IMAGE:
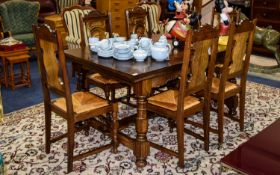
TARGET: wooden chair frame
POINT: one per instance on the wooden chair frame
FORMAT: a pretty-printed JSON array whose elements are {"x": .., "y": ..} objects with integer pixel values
[
  {"x": 228, "y": 74},
  {"x": 54, "y": 78},
  {"x": 137, "y": 15},
  {"x": 91, "y": 22},
  {"x": 190, "y": 84}
]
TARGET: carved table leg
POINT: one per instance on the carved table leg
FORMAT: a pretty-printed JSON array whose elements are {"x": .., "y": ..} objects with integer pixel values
[
  {"x": 142, "y": 146},
  {"x": 141, "y": 150}
]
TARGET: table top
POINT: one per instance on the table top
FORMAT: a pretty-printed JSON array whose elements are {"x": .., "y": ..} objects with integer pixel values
[
  {"x": 129, "y": 71},
  {"x": 259, "y": 155},
  {"x": 14, "y": 52}
]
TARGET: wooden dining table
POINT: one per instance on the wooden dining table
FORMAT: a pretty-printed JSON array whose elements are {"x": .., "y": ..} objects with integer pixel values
[{"x": 142, "y": 76}]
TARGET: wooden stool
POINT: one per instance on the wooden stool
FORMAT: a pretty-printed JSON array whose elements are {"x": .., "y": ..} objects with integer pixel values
[{"x": 22, "y": 79}]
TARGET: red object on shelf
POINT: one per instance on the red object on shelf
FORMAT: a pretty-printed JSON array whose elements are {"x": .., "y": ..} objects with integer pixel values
[{"x": 12, "y": 47}]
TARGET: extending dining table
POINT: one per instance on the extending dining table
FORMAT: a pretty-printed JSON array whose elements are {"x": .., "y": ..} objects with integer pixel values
[{"x": 142, "y": 76}]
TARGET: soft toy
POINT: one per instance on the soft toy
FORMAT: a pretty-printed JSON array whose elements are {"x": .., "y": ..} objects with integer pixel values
[
  {"x": 171, "y": 4},
  {"x": 221, "y": 7},
  {"x": 178, "y": 28}
]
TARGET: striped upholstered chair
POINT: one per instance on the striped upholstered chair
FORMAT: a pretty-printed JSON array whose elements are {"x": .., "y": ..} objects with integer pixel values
[
  {"x": 72, "y": 25},
  {"x": 62, "y": 4},
  {"x": 154, "y": 12}
]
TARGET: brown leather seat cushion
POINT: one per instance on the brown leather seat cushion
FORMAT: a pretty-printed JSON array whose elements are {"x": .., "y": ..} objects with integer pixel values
[
  {"x": 101, "y": 79},
  {"x": 82, "y": 102},
  {"x": 228, "y": 87},
  {"x": 168, "y": 100}
]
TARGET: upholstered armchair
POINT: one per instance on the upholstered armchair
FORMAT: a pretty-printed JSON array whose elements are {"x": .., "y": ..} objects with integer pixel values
[
  {"x": 154, "y": 11},
  {"x": 17, "y": 17}
]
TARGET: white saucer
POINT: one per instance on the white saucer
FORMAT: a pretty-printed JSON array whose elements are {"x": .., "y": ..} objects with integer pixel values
[
  {"x": 123, "y": 57},
  {"x": 105, "y": 53}
]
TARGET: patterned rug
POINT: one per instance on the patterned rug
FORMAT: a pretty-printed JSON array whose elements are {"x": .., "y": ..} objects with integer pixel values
[{"x": 22, "y": 142}]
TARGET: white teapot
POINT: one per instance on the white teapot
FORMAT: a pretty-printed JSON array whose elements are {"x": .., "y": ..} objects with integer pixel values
[{"x": 160, "y": 51}]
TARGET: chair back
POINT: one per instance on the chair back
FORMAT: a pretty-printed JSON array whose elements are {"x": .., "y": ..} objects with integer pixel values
[
  {"x": 97, "y": 24},
  {"x": 198, "y": 62},
  {"x": 136, "y": 22},
  {"x": 71, "y": 22},
  {"x": 62, "y": 4},
  {"x": 239, "y": 49},
  {"x": 154, "y": 13},
  {"x": 52, "y": 64}
]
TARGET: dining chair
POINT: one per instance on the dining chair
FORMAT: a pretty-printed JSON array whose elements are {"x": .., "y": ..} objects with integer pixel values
[
  {"x": 196, "y": 76},
  {"x": 136, "y": 22},
  {"x": 157, "y": 26},
  {"x": 236, "y": 64},
  {"x": 71, "y": 23},
  {"x": 98, "y": 24},
  {"x": 74, "y": 108},
  {"x": 95, "y": 24}
]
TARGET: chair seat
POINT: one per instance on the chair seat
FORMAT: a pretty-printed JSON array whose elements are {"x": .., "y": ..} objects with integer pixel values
[
  {"x": 228, "y": 87},
  {"x": 82, "y": 102},
  {"x": 101, "y": 79},
  {"x": 168, "y": 100}
]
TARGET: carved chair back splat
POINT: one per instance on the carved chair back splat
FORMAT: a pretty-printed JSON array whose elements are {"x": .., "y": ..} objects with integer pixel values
[{"x": 136, "y": 22}]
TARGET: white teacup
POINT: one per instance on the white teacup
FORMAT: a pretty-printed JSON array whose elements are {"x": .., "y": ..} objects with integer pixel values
[
  {"x": 105, "y": 44},
  {"x": 134, "y": 36},
  {"x": 93, "y": 40},
  {"x": 119, "y": 39},
  {"x": 145, "y": 42}
]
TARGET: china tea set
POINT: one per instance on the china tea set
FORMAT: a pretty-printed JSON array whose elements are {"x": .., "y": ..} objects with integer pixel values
[{"x": 139, "y": 49}]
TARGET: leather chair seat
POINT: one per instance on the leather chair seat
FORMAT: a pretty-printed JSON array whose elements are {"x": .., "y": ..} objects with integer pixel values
[
  {"x": 168, "y": 100},
  {"x": 82, "y": 102}
]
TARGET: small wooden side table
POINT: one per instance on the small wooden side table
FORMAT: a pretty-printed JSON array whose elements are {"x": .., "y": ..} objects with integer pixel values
[
  {"x": 56, "y": 23},
  {"x": 4, "y": 55},
  {"x": 23, "y": 78}
]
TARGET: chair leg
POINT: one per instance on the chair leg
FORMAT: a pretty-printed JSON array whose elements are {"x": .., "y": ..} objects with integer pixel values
[
  {"x": 107, "y": 92},
  {"x": 206, "y": 116},
  {"x": 128, "y": 94},
  {"x": 48, "y": 128},
  {"x": 113, "y": 91},
  {"x": 86, "y": 85},
  {"x": 70, "y": 146},
  {"x": 220, "y": 116},
  {"x": 241, "y": 109},
  {"x": 180, "y": 138},
  {"x": 115, "y": 128},
  {"x": 171, "y": 125}
]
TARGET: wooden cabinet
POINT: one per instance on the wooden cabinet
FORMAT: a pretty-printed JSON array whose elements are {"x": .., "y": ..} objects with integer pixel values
[
  {"x": 267, "y": 12},
  {"x": 117, "y": 8},
  {"x": 56, "y": 22}
]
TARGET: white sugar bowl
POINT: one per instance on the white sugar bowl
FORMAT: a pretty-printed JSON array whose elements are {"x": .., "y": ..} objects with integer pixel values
[{"x": 140, "y": 55}]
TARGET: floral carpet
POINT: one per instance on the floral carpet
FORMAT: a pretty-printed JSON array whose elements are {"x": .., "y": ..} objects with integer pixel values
[{"x": 22, "y": 142}]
